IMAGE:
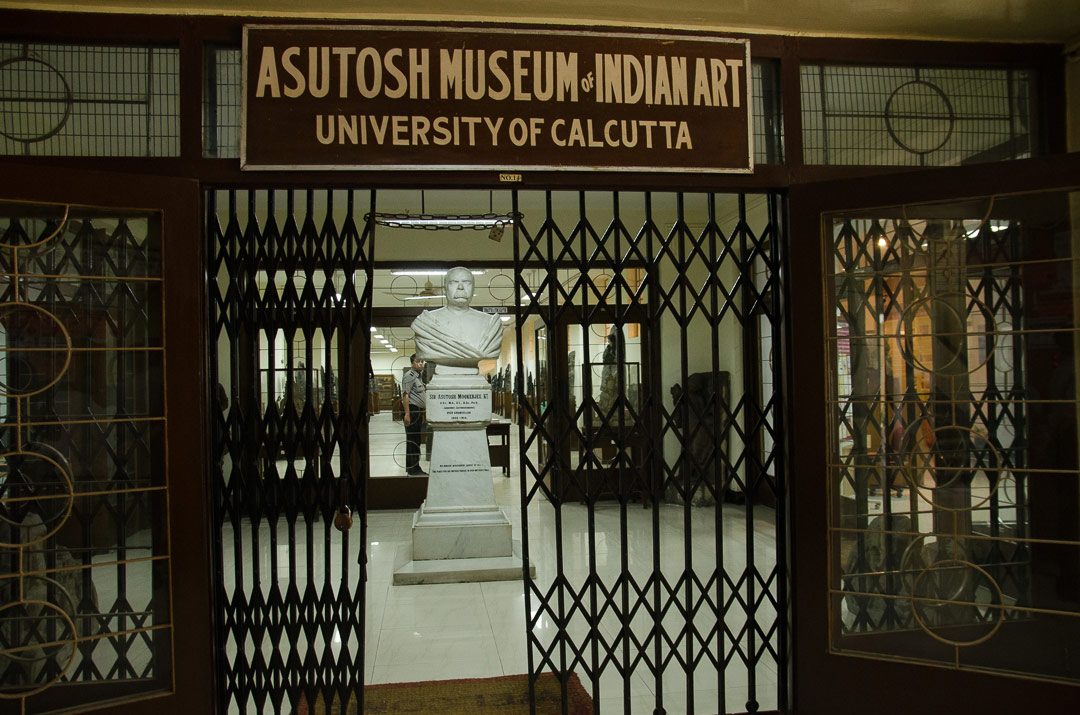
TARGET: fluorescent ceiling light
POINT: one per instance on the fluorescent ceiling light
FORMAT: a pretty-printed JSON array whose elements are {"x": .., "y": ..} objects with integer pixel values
[
  {"x": 377, "y": 335},
  {"x": 424, "y": 297},
  {"x": 429, "y": 273},
  {"x": 443, "y": 221},
  {"x": 454, "y": 222}
]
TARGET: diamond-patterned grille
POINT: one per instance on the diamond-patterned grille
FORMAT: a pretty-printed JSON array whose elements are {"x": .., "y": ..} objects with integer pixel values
[
  {"x": 290, "y": 307},
  {"x": 676, "y": 297},
  {"x": 952, "y": 398}
]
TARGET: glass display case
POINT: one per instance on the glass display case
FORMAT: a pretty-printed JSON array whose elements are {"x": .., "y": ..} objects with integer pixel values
[
  {"x": 599, "y": 357},
  {"x": 603, "y": 383}
]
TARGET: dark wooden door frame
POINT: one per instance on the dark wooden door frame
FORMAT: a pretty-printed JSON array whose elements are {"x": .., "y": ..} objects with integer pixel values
[
  {"x": 822, "y": 682},
  {"x": 186, "y": 359}
]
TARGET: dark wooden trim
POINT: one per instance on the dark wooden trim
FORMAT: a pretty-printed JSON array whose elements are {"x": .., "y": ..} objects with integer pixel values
[
  {"x": 818, "y": 676},
  {"x": 192, "y": 68},
  {"x": 227, "y": 172},
  {"x": 1052, "y": 112},
  {"x": 812, "y": 189},
  {"x": 193, "y": 34},
  {"x": 59, "y": 26},
  {"x": 948, "y": 183},
  {"x": 804, "y": 393},
  {"x": 841, "y": 50},
  {"x": 188, "y": 402},
  {"x": 790, "y": 96},
  {"x": 94, "y": 28},
  {"x": 396, "y": 492},
  {"x": 190, "y": 495}
]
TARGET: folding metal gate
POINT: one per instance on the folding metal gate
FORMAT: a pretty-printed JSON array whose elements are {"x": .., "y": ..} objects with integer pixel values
[
  {"x": 652, "y": 325},
  {"x": 290, "y": 303},
  {"x": 678, "y": 606}
]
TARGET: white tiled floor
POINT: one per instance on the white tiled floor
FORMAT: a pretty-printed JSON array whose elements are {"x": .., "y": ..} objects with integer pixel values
[
  {"x": 472, "y": 630},
  {"x": 433, "y": 632}
]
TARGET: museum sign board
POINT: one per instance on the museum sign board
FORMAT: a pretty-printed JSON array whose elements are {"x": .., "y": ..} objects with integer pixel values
[{"x": 366, "y": 97}]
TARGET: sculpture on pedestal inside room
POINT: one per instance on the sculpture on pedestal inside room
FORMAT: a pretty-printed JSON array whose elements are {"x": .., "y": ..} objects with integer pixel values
[
  {"x": 457, "y": 335},
  {"x": 459, "y": 533}
]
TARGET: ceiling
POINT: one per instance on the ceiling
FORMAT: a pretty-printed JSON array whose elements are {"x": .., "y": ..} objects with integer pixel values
[{"x": 997, "y": 20}]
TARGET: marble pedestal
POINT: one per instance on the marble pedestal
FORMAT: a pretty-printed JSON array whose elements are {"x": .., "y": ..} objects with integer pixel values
[{"x": 459, "y": 534}]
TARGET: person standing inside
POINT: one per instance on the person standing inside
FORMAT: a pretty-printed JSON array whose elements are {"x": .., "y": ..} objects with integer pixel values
[{"x": 414, "y": 404}]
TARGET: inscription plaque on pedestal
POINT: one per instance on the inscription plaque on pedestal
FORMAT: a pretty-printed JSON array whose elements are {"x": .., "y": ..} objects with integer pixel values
[{"x": 458, "y": 406}]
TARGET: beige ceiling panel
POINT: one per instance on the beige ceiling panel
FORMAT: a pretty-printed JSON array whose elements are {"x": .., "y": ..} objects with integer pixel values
[{"x": 998, "y": 20}]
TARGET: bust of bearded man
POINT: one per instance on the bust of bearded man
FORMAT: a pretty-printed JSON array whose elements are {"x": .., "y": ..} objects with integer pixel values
[{"x": 457, "y": 335}]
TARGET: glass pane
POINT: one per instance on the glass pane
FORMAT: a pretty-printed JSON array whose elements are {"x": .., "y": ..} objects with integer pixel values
[
  {"x": 84, "y": 554},
  {"x": 768, "y": 113},
  {"x": 604, "y": 377},
  {"x": 221, "y": 104},
  {"x": 88, "y": 100},
  {"x": 915, "y": 116},
  {"x": 391, "y": 348},
  {"x": 953, "y": 431}
]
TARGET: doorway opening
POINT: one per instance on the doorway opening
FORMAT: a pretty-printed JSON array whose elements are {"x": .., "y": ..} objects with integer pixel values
[{"x": 643, "y": 473}]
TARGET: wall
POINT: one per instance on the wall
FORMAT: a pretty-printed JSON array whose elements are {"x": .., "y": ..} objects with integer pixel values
[{"x": 389, "y": 363}]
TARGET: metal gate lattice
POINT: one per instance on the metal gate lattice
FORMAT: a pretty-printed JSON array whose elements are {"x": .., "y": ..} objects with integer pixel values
[
  {"x": 85, "y": 592},
  {"x": 290, "y": 307},
  {"x": 675, "y": 302},
  {"x": 899, "y": 394}
]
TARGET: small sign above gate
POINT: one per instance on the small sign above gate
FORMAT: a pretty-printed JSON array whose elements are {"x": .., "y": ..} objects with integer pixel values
[{"x": 365, "y": 97}]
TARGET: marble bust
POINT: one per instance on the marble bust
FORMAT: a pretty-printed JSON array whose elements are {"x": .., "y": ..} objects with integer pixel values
[{"x": 457, "y": 335}]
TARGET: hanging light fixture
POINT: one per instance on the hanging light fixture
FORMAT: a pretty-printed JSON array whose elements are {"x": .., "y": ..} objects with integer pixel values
[
  {"x": 428, "y": 272},
  {"x": 436, "y": 222},
  {"x": 492, "y": 222}
]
